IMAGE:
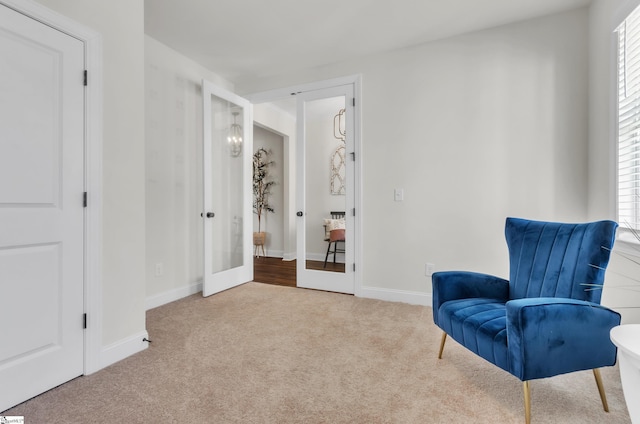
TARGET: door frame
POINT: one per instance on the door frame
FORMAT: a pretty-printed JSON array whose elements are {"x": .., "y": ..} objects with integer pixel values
[
  {"x": 356, "y": 80},
  {"x": 93, "y": 360}
]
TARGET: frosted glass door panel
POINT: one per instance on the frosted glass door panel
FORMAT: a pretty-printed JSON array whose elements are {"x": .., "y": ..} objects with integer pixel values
[
  {"x": 226, "y": 189},
  {"x": 227, "y": 147}
]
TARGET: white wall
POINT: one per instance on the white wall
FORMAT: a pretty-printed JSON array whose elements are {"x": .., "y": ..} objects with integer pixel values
[
  {"x": 121, "y": 23},
  {"x": 604, "y": 17},
  {"x": 272, "y": 222},
  {"x": 474, "y": 129},
  {"x": 173, "y": 120}
]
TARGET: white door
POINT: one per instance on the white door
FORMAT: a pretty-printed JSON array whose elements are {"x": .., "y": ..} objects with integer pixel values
[
  {"x": 227, "y": 215},
  {"x": 41, "y": 207},
  {"x": 325, "y": 184}
]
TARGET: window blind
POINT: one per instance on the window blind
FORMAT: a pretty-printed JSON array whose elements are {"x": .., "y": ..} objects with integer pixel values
[{"x": 629, "y": 121}]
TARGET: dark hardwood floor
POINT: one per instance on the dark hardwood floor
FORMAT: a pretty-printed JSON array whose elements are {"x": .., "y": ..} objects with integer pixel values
[
  {"x": 283, "y": 273},
  {"x": 274, "y": 271}
]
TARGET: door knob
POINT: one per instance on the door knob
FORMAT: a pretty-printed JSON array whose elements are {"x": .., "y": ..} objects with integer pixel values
[
  {"x": 210, "y": 214},
  {"x": 299, "y": 213}
]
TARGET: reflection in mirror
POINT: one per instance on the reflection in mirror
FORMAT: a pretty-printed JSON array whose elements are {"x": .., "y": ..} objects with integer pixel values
[
  {"x": 226, "y": 187},
  {"x": 325, "y": 197}
]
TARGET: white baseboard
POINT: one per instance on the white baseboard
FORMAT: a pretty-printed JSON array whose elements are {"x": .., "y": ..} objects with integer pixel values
[
  {"x": 291, "y": 256},
  {"x": 133, "y": 344},
  {"x": 122, "y": 349},
  {"x": 390, "y": 295},
  {"x": 310, "y": 256},
  {"x": 172, "y": 295},
  {"x": 272, "y": 253},
  {"x": 320, "y": 257}
]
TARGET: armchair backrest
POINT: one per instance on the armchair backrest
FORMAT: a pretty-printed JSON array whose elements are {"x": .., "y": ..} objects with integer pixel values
[{"x": 551, "y": 259}]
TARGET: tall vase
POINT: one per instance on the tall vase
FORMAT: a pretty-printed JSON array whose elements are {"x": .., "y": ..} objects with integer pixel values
[{"x": 259, "y": 239}]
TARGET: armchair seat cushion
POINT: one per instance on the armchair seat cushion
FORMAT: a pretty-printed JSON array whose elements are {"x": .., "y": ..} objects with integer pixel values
[{"x": 480, "y": 324}]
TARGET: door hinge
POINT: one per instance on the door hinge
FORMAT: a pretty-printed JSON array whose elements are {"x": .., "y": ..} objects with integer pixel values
[
  {"x": 353, "y": 156},
  {"x": 85, "y": 77},
  {"x": 84, "y": 321},
  {"x": 84, "y": 199},
  {"x": 354, "y": 102},
  {"x": 354, "y": 267},
  {"x": 353, "y": 211}
]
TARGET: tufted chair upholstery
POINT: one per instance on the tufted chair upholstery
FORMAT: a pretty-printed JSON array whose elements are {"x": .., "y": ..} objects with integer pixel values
[{"x": 545, "y": 320}]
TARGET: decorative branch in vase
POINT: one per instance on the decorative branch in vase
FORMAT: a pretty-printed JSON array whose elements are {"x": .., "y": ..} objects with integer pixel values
[{"x": 262, "y": 184}]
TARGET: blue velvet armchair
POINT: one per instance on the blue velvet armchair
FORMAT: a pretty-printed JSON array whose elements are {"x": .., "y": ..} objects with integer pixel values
[{"x": 546, "y": 319}]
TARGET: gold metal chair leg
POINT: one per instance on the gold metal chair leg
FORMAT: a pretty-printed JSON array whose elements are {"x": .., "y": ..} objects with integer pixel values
[
  {"x": 444, "y": 339},
  {"x": 527, "y": 402},
  {"x": 596, "y": 373}
]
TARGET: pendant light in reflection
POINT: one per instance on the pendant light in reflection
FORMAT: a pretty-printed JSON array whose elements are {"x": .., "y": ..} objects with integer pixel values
[{"x": 235, "y": 137}]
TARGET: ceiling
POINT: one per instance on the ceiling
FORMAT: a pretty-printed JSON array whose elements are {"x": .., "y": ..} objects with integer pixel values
[{"x": 244, "y": 39}]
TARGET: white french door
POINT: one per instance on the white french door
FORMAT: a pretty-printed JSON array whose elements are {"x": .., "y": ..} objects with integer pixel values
[
  {"x": 227, "y": 215},
  {"x": 41, "y": 207},
  {"x": 325, "y": 183}
]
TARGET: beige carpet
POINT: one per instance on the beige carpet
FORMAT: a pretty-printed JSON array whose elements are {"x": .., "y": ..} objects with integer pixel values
[{"x": 267, "y": 354}]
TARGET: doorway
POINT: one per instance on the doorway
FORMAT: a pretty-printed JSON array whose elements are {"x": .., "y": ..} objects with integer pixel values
[
  {"x": 269, "y": 145},
  {"x": 290, "y": 99}
]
